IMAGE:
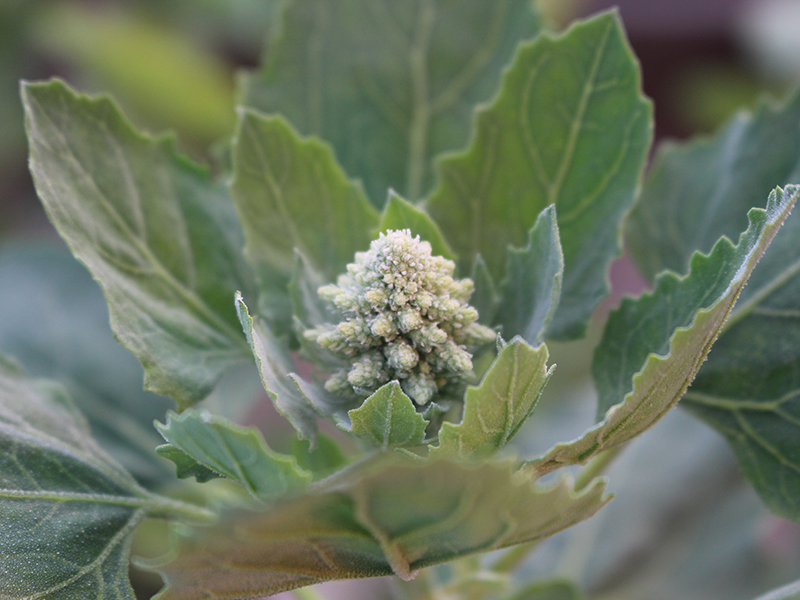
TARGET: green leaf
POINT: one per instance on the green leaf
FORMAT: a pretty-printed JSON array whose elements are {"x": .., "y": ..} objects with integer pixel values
[
  {"x": 653, "y": 346},
  {"x": 238, "y": 453},
  {"x": 388, "y": 418},
  {"x": 570, "y": 127},
  {"x": 275, "y": 365},
  {"x": 292, "y": 195},
  {"x": 323, "y": 460},
  {"x": 67, "y": 510},
  {"x": 389, "y": 84},
  {"x": 486, "y": 298},
  {"x": 311, "y": 311},
  {"x": 157, "y": 234},
  {"x": 185, "y": 465},
  {"x": 748, "y": 389},
  {"x": 496, "y": 409},
  {"x": 532, "y": 288},
  {"x": 697, "y": 192},
  {"x": 399, "y": 213},
  {"x": 391, "y": 515}
]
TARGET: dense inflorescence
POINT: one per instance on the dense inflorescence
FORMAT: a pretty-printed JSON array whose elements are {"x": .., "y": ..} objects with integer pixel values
[{"x": 405, "y": 318}]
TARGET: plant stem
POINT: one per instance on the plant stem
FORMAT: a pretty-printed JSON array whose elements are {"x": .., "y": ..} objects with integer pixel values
[
  {"x": 169, "y": 508},
  {"x": 515, "y": 555}
]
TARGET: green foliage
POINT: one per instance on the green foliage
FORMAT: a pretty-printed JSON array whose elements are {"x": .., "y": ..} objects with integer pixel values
[
  {"x": 569, "y": 127},
  {"x": 531, "y": 208},
  {"x": 389, "y": 84},
  {"x": 496, "y": 409},
  {"x": 388, "y": 419},
  {"x": 652, "y": 347},
  {"x": 399, "y": 213},
  {"x": 392, "y": 515},
  {"x": 532, "y": 289},
  {"x": 57, "y": 485},
  {"x": 154, "y": 230},
  {"x": 238, "y": 453},
  {"x": 749, "y": 387},
  {"x": 292, "y": 195}
]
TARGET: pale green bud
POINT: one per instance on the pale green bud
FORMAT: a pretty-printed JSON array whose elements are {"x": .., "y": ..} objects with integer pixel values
[{"x": 406, "y": 318}]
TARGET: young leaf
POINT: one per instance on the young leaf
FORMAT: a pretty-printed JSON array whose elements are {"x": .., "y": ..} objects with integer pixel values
[
  {"x": 570, "y": 127},
  {"x": 238, "y": 453},
  {"x": 389, "y": 84},
  {"x": 486, "y": 298},
  {"x": 697, "y": 192},
  {"x": 291, "y": 194},
  {"x": 185, "y": 465},
  {"x": 399, "y": 213},
  {"x": 157, "y": 234},
  {"x": 388, "y": 418},
  {"x": 311, "y": 311},
  {"x": 496, "y": 409},
  {"x": 275, "y": 366},
  {"x": 67, "y": 510},
  {"x": 652, "y": 347},
  {"x": 532, "y": 287},
  {"x": 392, "y": 515},
  {"x": 749, "y": 389}
]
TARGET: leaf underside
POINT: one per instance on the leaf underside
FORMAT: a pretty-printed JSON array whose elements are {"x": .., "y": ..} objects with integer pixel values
[
  {"x": 389, "y": 84},
  {"x": 159, "y": 236},
  {"x": 749, "y": 389},
  {"x": 570, "y": 127},
  {"x": 392, "y": 516},
  {"x": 653, "y": 346}
]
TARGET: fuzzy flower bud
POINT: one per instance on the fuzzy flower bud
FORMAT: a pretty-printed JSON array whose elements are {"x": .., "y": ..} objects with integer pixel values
[{"x": 405, "y": 318}]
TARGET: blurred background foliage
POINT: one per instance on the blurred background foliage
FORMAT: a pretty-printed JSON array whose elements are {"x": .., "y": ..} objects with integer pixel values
[{"x": 690, "y": 528}]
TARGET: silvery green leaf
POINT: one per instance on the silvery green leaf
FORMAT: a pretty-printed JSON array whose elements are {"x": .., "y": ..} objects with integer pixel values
[
  {"x": 496, "y": 409},
  {"x": 696, "y": 192},
  {"x": 388, "y": 418},
  {"x": 748, "y": 389},
  {"x": 389, "y": 84},
  {"x": 570, "y": 127},
  {"x": 390, "y": 515},
  {"x": 652, "y": 347},
  {"x": 275, "y": 365},
  {"x": 292, "y": 195},
  {"x": 238, "y": 453},
  {"x": 486, "y": 297},
  {"x": 56, "y": 324},
  {"x": 156, "y": 232},
  {"x": 67, "y": 510},
  {"x": 532, "y": 288},
  {"x": 399, "y": 213}
]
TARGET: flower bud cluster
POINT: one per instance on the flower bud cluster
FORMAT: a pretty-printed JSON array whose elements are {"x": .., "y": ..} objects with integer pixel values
[{"x": 406, "y": 318}]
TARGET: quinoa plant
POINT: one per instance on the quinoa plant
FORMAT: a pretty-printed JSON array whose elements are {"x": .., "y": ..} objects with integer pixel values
[{"x": 421, "y": 196}]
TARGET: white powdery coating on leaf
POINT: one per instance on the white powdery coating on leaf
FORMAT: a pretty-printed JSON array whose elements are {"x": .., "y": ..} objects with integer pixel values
[{"x": 406, "y": 318}]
